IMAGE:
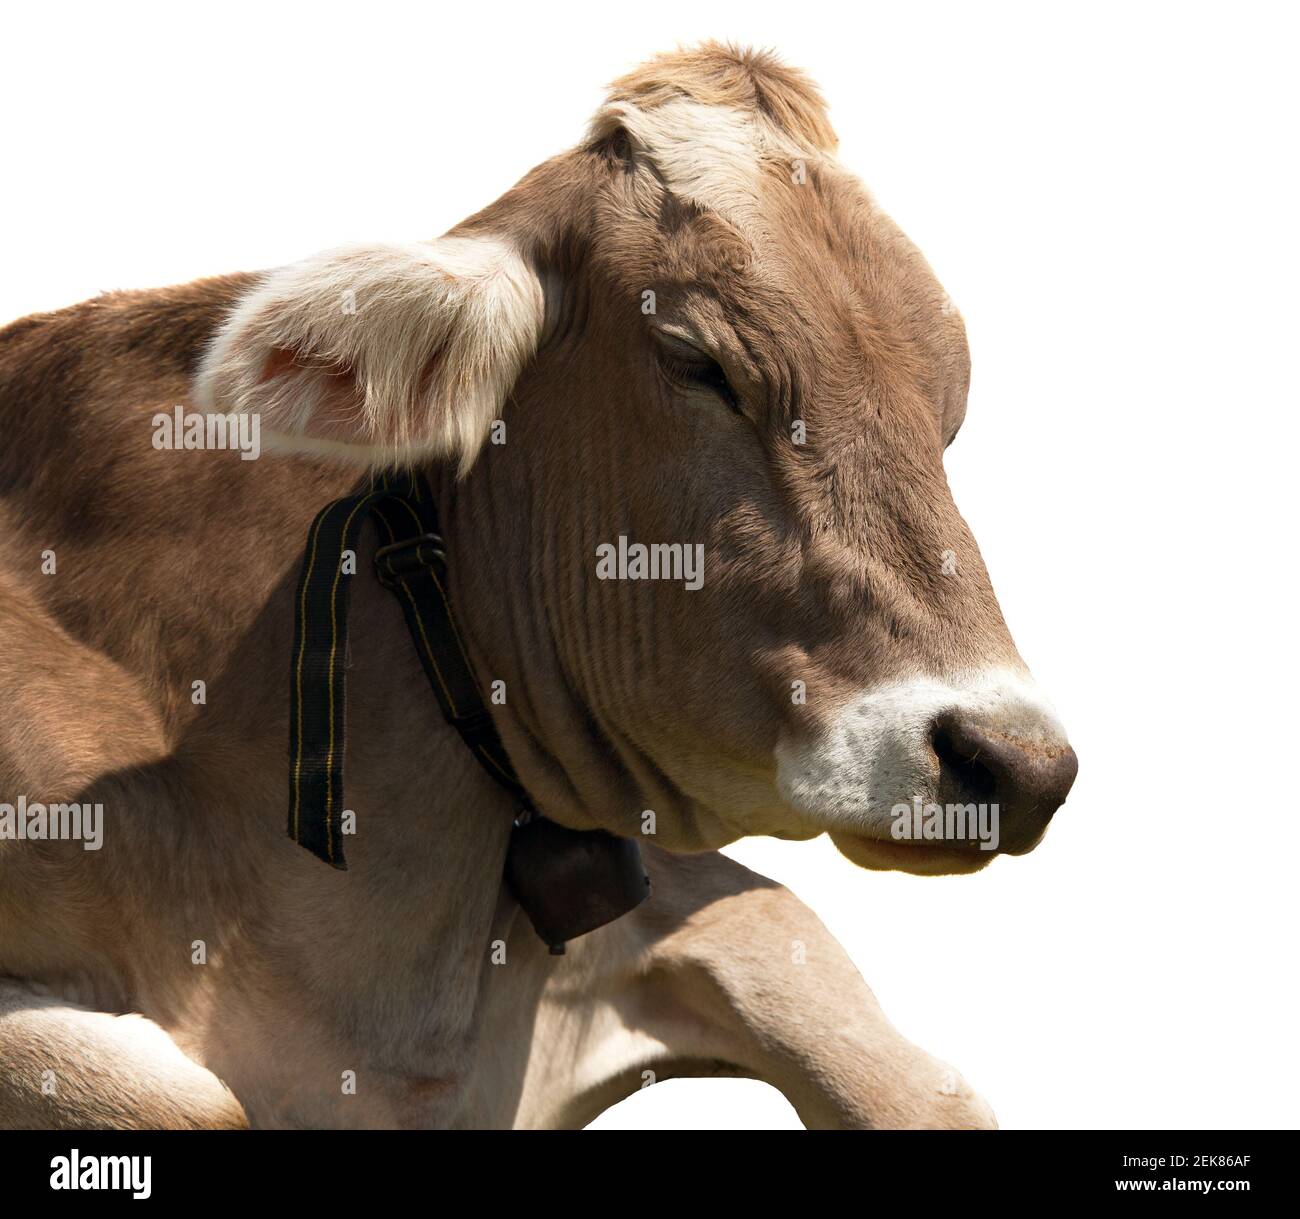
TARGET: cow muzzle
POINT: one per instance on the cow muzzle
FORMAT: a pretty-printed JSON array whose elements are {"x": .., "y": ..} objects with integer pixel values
[{"x": 933, "y": 776}]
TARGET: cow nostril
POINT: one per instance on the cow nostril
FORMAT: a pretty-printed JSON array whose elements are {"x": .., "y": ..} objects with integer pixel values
[
  {"x": 1028, "y": 782},
  {"x": 962, "y": 778}
]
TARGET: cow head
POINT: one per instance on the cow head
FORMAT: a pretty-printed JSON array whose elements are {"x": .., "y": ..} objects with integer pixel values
[{"x": 694, "y": 332}]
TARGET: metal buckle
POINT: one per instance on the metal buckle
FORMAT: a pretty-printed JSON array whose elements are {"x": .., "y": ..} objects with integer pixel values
[{"x": 403, "y": 558}]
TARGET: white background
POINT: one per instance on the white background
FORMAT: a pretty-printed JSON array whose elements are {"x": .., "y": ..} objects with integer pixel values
[{"x": 1107, "y": 192}]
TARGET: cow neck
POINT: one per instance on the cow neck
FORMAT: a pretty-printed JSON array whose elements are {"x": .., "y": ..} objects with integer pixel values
[{"x": 569, "y": 882}]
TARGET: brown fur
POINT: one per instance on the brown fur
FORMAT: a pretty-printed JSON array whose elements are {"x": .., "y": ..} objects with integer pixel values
[
  {"x": 179, "y": 566},
  {"x": 721, "y": 74}
]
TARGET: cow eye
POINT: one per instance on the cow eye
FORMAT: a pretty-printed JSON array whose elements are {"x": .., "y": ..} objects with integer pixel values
[{"x": 688, "y": 366}]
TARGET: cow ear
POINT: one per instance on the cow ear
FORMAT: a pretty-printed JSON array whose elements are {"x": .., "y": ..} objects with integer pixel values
[{"x": 380, "y": 354}]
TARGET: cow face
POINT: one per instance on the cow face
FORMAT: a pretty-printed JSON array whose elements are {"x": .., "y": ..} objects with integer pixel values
[{"x": 711, "y": 551}]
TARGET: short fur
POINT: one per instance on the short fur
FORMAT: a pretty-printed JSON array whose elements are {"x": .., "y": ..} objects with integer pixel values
[{"x": 414, "y": 971}]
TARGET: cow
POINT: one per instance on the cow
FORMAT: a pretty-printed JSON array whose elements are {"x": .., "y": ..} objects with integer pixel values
[{"x": 694, "y": 329}]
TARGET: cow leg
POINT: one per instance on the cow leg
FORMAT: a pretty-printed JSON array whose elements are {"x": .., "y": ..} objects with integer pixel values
[
  {"x": 727, "y": 973},
  {"x": 67, "y": 1067}
]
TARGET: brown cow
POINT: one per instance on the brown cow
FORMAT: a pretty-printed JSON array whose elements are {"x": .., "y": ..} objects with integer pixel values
[{"x": 694, "y": 333}]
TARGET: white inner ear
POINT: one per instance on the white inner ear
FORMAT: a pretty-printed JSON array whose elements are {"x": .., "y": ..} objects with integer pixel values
[{"x": 428, "y": 338}]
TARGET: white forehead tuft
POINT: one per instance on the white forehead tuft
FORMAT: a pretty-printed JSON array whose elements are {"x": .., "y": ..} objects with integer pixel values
[{"x": 709, "y": 155}]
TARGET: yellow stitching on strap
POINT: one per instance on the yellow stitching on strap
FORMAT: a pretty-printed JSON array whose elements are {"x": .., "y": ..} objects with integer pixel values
[
  {"x": 302, "y": 648},
  {"x": 455, "y": 631},
  {"x": 334, "y": 643},
  {"x": 509, "y": 778},
  {"x": 428, "y": 648}
]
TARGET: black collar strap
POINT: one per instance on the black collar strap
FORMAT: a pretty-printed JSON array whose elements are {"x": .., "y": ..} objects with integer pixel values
[{"x": 569, "y": 882}]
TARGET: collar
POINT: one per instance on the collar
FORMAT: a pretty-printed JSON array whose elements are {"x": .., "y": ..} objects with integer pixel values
[{"x": 568, "y": 882}]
